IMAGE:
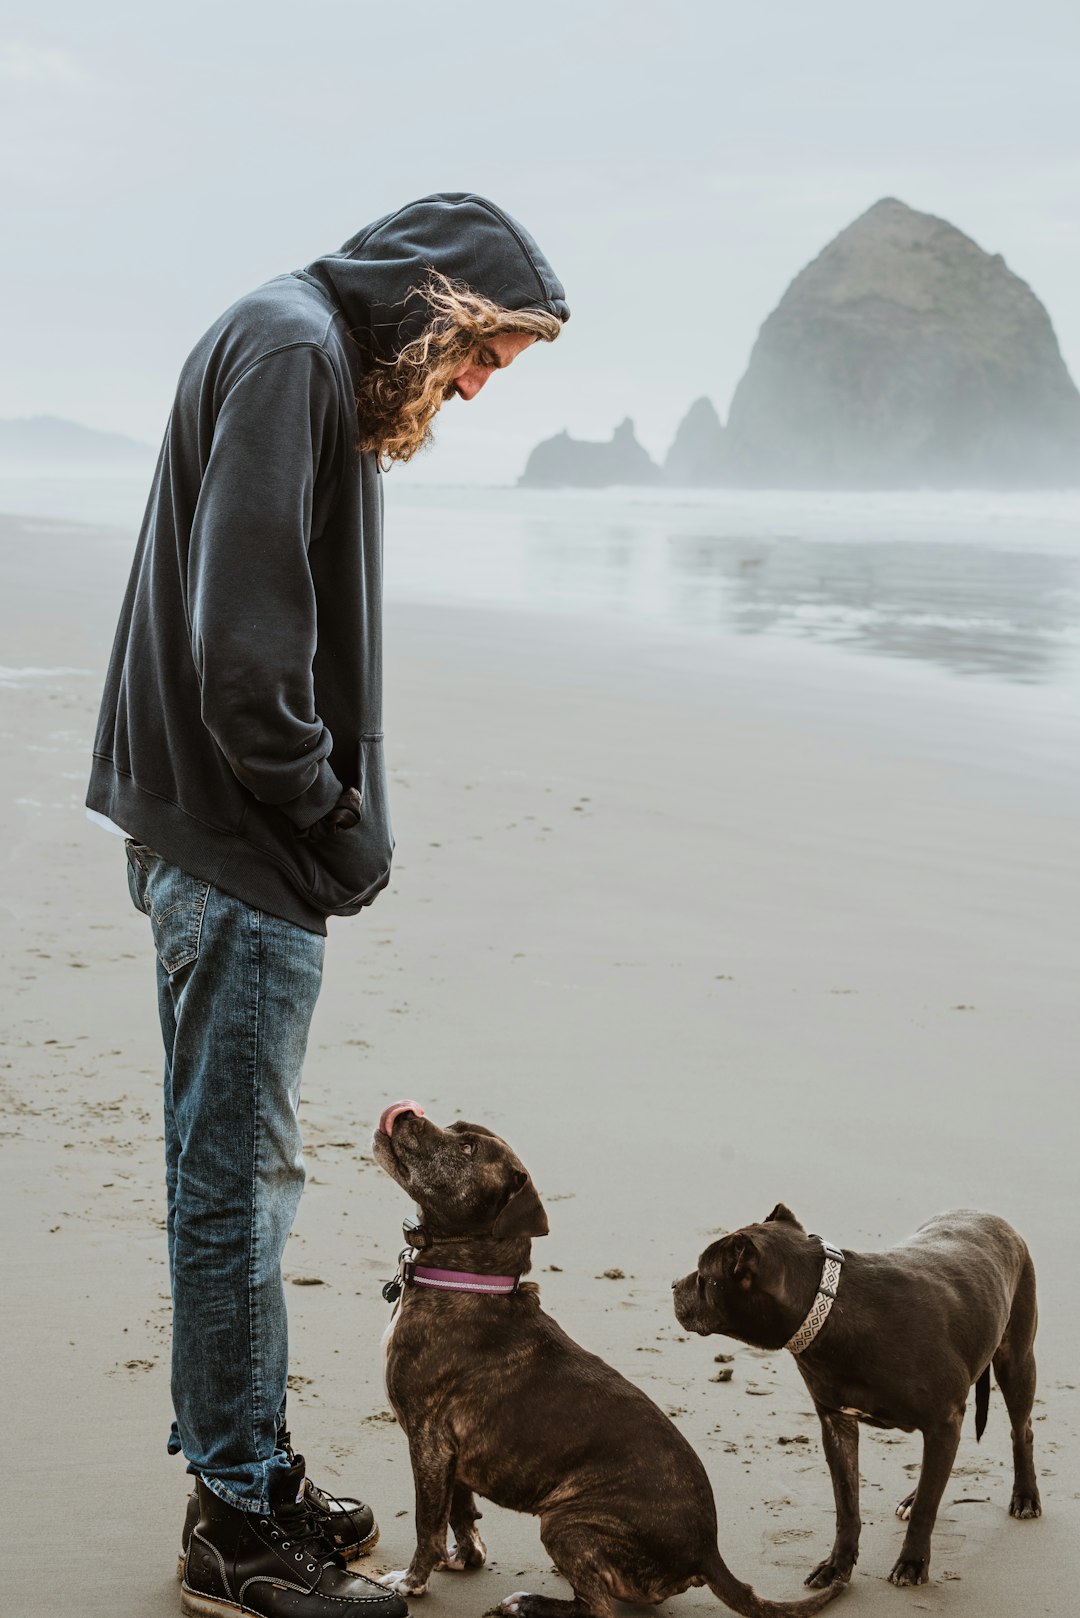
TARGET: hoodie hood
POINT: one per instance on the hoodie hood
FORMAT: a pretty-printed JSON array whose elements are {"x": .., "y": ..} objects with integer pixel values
[{"x": 457, "y": 233}]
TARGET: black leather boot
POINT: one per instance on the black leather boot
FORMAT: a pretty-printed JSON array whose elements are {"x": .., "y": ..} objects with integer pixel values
[
  {"x": 279, "y": 1566},
  {"x": 348, "y": 1524}
]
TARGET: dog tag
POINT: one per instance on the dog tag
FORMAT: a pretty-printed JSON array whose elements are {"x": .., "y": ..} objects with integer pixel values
[
  {"x": 392, "y": 1290},
  {"x": 415, "y": 1234}
]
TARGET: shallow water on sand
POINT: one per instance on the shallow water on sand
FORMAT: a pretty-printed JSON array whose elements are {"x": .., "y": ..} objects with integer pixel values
[
  {"x": 976, "y": 584},
  {"x": 976, "y": 595},
  {"x": 956, "y": 616}
]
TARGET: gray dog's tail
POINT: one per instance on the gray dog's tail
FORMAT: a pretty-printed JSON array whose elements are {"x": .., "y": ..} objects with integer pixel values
[
  {"x": 742, "y": 1598},
  {"x": 982, "y": 1403}
]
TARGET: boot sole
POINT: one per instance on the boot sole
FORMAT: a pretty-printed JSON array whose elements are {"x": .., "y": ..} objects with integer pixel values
[
  {"x": 194, "y": 1605},
  {"x": 365, "y": 1547}
]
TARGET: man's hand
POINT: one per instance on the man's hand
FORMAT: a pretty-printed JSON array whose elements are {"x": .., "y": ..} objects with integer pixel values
[{"x": 345, "y": 813}]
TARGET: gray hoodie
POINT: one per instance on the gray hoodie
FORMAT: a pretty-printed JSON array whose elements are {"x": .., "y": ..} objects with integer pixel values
[{"x": 244, "y": 691}]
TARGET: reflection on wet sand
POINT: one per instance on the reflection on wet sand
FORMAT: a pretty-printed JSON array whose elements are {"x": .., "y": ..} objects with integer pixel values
[
  {"x": 974, "y": 585},
  {"x": 1008, "y": 614},
  {"x": 1011, "y": 613}
]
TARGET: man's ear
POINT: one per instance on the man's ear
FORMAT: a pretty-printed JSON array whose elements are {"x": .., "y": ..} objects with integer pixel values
[
  {"x": 522, "y": 1214},
  {"x": 782, "y": 1215},
  {"x": 742, "y": 1259}
]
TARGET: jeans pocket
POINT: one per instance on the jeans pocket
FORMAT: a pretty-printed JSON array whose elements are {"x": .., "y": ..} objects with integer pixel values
[
  {"x": 174, "y": 901},
  {"x": 137, "y": 871}
]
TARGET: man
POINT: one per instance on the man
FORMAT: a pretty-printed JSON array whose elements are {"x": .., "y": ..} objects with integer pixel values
[{"x": 239, "y": 749}]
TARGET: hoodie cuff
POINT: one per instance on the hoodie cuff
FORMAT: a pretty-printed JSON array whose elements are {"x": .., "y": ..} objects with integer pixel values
[{"x": 316, "y": 800}]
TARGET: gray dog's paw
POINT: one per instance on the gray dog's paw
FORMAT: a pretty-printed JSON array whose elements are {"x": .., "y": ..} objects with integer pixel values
[
  {"x": 903, "y": 1510},
  {"x": 910, "y": 1570},
  {"x": 400, "y": 1581},
  {"x": 1025, "y": 1504},
  {"x": 828, "y": 1572}
]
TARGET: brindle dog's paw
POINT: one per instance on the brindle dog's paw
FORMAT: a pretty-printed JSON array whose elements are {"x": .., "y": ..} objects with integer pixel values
[
  {"x": 511, "y": 1606},
  {"x": 910, "y": 1570},
  {"x": 828, "y": 1572},
  {"x": 903, "y": 1510},
  {"x": 1025, "y": 1504},
  {"x": 473, "y": 1553},
  {"x": 403, "y": 1583}
]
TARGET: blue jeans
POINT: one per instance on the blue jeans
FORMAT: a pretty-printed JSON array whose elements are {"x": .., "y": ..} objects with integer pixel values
[{"x": 236, "y": 992}]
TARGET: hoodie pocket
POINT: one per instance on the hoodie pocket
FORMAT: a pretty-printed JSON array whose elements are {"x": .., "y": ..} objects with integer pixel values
[{"x": 352, "y": 866}]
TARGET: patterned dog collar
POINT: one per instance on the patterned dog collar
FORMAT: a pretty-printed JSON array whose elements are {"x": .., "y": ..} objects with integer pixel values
[{"x": 823, "y": 1302}]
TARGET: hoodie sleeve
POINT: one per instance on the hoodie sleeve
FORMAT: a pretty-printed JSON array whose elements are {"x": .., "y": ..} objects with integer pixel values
[{"x": 251, "y": 598}]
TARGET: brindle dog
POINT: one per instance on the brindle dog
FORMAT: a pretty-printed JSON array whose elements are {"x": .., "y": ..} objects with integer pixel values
[
  {"x": 496, "y": 1400},
  {"x": 910, "y": 1331}
]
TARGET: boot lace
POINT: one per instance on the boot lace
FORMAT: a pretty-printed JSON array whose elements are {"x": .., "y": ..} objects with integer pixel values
[
  {"x": 325, "y": 1508},
  {"x": 300, "y": 1531}
]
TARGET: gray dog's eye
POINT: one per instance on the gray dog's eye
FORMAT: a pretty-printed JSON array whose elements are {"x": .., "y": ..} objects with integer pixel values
[{"x": 468, "y": 1147}]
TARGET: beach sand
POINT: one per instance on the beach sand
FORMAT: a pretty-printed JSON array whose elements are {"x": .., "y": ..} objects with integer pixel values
[{"x": 697, "y": 930}]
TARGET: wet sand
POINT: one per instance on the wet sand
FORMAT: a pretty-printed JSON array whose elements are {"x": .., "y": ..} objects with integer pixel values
[{"x": 697, "y": 934}]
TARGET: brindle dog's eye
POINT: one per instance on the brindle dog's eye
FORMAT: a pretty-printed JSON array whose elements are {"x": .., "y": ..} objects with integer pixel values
[
  {"x": 700, "y": 1284},
  {"x": 468, "y": 1147}
]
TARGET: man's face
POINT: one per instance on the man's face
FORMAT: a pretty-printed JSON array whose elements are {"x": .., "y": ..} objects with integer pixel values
[{"x": 493, "y": 354}]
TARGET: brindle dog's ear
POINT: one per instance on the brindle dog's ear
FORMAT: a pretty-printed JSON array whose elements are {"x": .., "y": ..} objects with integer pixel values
[
  {"x": 522, "y": 1214},
  {"x": 460, "y": 1127},
  {"x": 742, "y": 1259},
  {"x": 782, "y": 1215}
]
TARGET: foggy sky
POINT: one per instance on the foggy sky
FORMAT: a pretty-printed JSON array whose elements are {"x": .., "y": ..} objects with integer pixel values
[{"x": 678, "y": 163}]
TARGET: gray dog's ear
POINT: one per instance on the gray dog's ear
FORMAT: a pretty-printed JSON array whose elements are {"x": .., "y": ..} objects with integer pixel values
[
  {"x": 522, "y": 1214},
  {"x": 743, "y": 1258},
  {"x": 782, "y": 1215}
]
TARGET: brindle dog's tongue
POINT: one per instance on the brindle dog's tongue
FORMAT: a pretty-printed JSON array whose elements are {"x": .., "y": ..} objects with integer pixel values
[{"x": 396, "y": 1110}]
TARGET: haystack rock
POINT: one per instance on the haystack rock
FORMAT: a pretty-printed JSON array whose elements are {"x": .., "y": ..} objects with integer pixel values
[
  {"x": 695, "y": 458},
  {"x": 563, "y": 462},
  {"x": 905, "y": 356}
]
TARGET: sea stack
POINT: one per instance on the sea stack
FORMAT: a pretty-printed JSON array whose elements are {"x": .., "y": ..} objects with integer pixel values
[
  {"x": 905, "y": 356},
  {"x": 695, "y": 459},
  {"x": 563, "y": 462}
]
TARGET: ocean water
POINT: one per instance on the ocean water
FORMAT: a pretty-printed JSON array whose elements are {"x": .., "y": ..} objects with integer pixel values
[{"x": 980, "y": 592}]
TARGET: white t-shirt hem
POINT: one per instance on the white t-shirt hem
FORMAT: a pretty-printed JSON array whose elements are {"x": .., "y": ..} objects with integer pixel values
[{"x": 105, "y": 823}]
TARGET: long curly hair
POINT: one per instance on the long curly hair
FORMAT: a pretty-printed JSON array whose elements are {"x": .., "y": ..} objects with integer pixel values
[{"x": 397, "y": 400}]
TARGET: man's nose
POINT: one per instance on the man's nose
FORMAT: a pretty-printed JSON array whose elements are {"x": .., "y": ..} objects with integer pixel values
[{"x": 469, "y": 383}]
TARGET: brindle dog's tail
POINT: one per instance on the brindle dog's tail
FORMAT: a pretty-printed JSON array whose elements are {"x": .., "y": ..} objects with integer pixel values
[
  {"x": 742, "y": 1598},
  {"x": 982, "y": 1403}
]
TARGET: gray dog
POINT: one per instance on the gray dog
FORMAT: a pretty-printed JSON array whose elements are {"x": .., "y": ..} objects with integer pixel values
[
  {"x": 497, "y": 1401},
  {"x": 893, "y": 1339}
]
